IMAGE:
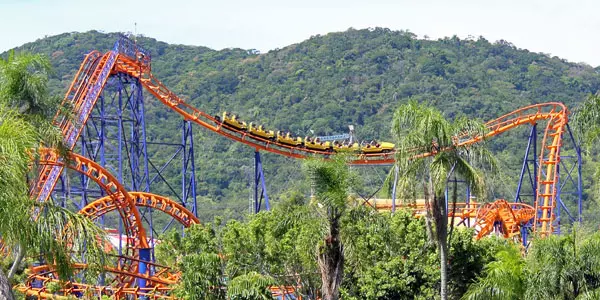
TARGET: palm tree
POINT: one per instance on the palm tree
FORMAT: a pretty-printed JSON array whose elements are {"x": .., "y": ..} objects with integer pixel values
[
  {"x": 563, "y": 267},
  {"x": 422, "y": 129},
  {"x": 331, "y": 180},
  {"x": 586, "y": 121},
  {"x": 504, "y": 277},
  {"x": 556, "y": 267},
  {"x": 24, "y": 84},
  {"x": 24, "y": 127}
]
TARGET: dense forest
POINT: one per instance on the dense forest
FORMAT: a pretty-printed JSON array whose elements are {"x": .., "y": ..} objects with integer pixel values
[{"x": 322, "y": 85}]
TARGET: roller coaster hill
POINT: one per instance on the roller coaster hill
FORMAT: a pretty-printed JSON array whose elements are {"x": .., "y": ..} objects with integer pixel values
[{"x": 110, "y": 178}]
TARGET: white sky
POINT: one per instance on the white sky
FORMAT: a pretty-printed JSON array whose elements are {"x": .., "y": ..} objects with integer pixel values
[{"x": 567, "y": 29}]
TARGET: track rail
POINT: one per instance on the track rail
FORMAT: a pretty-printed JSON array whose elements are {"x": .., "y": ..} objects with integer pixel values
[
  {"x": 484, "y": 217},
  {"x": 555, "y": 113},
  {"x": 104, "y": 205},
  {"x": 120, "y": 198}
]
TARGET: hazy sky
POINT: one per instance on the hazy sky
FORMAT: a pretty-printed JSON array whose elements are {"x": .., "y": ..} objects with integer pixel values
[{"x": 568, "y": 29}]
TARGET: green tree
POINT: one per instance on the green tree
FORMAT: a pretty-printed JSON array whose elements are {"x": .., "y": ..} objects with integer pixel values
[
  {"x": 563, "y": 267},
  {"x": 251, "y": 286},
  {"x": 504, "y": 278},
  {"x": 330, "y": 181},
  {"x": 555, "y": 267},
  {"x": 424, "y": 128},
  {"x": 24, "y": 104},
  {"x": 198, "y": 256}
]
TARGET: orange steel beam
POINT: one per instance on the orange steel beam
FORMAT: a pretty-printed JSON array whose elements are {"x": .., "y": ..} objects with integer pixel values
[
  {"x": 46, "y": 273},
  {"x": 97, "y": 209},
  {"x": 78, "y": 83},
  {"x": 511, "y": 216},
  {"x": 177, "y": 211}
]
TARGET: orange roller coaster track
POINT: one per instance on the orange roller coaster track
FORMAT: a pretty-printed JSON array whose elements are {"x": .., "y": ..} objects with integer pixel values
[
  {"x": 107, "y": 204},
  {"x": 94, "y": 72},
  {"x": 555, "y": 113},
  {"x": 83, "y": 94},
  {"x": 507, "y": 217}
]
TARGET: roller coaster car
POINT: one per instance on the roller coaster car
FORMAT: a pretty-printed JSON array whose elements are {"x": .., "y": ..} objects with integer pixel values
[
  {"x": 233, "y": 121},
  {"x": 261, "y": 132},
  {"x": 345, "y": 147},
  {"x": 316, "y": 144},
  {"x": 288, "y": 139},
  {"x": 376, "y": 147}
]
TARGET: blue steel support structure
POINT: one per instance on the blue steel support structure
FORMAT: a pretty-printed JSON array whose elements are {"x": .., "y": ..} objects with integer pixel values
[
  {"x": 569, "y": 194},
  {"x": 259, "y": 185},
  {"x": 528, "y": 175},
  {"x": 188, "y": 171},
  {"x": 115, "y": 136},
  {"x": 395, "y": 187},
  {"x": 569, "y": 186}
]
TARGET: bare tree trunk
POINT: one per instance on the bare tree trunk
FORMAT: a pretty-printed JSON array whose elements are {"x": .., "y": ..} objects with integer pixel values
[
  {"x": 5, "y": 288},
  {"x": 454, "y": 199},
  {"x": 331, "y": 262},
  {"x": 428, "y": 191},
  {"x": 440, "y": 214},
  {"x": 443, "y": 269},
  {"x": 17, "y": 262}
]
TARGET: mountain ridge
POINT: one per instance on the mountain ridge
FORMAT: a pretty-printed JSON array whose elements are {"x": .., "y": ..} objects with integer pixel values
[{"x": 325, "y": 83}]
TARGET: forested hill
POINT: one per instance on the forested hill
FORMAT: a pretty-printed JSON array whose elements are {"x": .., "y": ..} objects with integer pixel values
[{"x": 325, "y": 83}]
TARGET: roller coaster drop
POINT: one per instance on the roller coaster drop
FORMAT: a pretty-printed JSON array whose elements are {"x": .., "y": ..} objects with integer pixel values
[{"x": 106, "y": 101}]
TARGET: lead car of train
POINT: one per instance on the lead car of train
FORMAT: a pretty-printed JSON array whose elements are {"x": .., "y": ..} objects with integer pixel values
[{"x": 285, "y": 137}]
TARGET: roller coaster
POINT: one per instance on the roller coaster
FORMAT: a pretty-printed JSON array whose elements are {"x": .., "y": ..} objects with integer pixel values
[{"x": 539, "y": 199}]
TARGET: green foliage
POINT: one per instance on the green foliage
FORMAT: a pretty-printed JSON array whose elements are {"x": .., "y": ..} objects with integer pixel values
[
  {"x": 198, "y": 256},
  {"x": 55, "y": 232},
  {"x": 505, "y": 277},
  {"x": 354, "y": 77},
  {"x": 556, "y": 267},
  {"x": 331, "y": 181},
  {"x": 386, "y": 256},
  {"x": 24, "y": 84},
  {"x": 250, "y": 286},
  {"x": 391, "y": 258}
]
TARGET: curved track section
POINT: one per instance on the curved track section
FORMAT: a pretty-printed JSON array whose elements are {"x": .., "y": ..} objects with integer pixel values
[
  {"x": 121, "y": 200},
  {"x": 484, "y": 217},
  {"x": 508, "y": 216},
  {"x": 107, "y": 204},
  {"x": 158, "y": 282},
  {"x": 35, "y": 285},
  {"x": 107, "y": 182}
]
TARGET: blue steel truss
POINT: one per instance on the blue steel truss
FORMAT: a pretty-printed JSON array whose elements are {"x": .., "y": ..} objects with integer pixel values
[
  {"x": 569, "y": 190},
  {"x": 260, "y": 187},
  {"x": 115, "y": 136}
]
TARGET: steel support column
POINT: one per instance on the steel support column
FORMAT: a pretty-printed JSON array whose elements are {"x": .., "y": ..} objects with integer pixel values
[{"x": 259, "y": 182}]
